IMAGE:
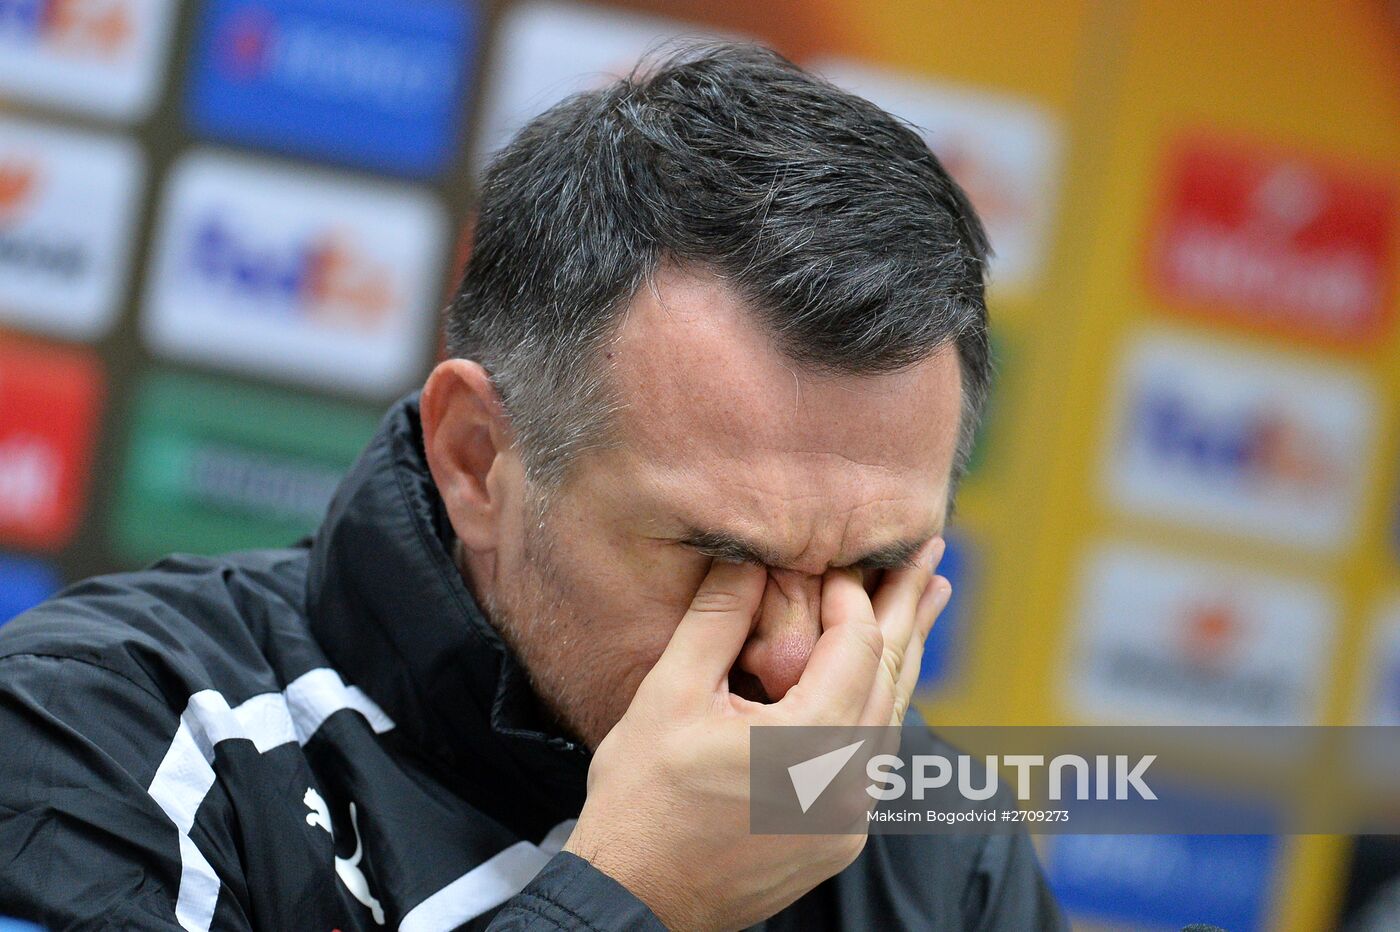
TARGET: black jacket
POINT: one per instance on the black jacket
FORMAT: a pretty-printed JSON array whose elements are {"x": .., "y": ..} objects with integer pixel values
[{"x": 333, "y": 737}]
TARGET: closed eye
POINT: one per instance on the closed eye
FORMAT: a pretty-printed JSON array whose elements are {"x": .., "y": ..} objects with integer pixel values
[
  {"x": 719, "y": 545},
  {"x": 728, "y": 553}
]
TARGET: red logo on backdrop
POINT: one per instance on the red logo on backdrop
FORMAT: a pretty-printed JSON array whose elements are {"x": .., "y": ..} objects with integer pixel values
[
  {"x": 17, "y": 182},
  {"x": 1210, "y": 632},
  {"x": 1276, "y": 242},
  {"x": 49, "y": 402}
]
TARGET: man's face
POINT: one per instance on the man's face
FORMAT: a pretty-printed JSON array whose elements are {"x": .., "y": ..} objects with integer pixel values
[{"x": 724, "y": 449}]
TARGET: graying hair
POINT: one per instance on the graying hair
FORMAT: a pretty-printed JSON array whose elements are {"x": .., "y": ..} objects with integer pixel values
[{"x": 828, "y": 216}]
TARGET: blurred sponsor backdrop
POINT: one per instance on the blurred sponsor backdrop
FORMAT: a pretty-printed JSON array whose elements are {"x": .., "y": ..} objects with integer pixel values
[{"x": 227, "y": 229}]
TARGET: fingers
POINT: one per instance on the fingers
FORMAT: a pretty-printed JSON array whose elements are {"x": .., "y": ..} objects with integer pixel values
[
  {"x": 896, "y": 608},
  {"x": 931, "y": 605},
  {"x": 835, "y": 685},
  {"x": 864, "y": 666},
  {"x": 896, "y": 602},
  {"x": 934, "y": 600},
  {"x": 708, "y": 640}
]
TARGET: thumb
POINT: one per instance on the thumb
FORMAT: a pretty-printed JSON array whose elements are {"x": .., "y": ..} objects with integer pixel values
[{"x": 713, "y": 631}]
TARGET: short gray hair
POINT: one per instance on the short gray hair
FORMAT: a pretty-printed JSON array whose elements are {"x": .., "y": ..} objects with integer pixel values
[{"x": 830, "y": 217}]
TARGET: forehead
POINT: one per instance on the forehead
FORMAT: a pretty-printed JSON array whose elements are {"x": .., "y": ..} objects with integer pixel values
[{"x": 718, "y": 424}]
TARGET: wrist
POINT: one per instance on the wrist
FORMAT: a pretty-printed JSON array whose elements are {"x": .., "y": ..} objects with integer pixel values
[{"x": 642, "y": 875}]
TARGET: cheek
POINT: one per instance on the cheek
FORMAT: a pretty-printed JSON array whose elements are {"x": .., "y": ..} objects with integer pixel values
[
  {"x": 646, "y": 631},
  {"x": 629, "y": 591},
  {"x": 662, "y": 576},
  {"x": 628, "y": 605},
  {"x": 675, "y": 577},
  {"x": 637, "y": 601}
]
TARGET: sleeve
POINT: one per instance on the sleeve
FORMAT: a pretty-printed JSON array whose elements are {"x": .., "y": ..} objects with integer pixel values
[
  {"x": 82, "y": 843},
  {"x": 572, "y": 894}
]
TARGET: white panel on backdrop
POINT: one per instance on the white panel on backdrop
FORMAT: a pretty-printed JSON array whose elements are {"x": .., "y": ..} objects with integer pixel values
[
  {"x": 295, "y": 274},
  {"x": 67, "y": 220}
]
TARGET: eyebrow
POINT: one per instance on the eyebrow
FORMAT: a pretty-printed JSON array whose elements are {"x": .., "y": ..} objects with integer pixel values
[{"x": 732, "y": 548}]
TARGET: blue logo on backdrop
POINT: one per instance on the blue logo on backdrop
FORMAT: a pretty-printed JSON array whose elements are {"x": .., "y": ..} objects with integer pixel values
[
  {"x": 24, "y": 583},
  {"x": 373, "y": 84},
  {"x": 1166, "y": 880},
  {"x": 943, "y": 641}
]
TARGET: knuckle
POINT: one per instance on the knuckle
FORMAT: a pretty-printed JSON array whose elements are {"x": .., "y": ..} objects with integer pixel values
[
  {"x": 870, "y": 638},
  {"x": 716, "y": 601},
  {"x": 892, "y": 661}
]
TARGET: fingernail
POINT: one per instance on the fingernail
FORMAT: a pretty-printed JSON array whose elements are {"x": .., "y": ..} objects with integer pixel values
[{"x": 936, "y": 553}]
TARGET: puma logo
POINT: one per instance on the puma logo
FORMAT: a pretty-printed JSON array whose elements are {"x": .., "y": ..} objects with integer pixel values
[{"x": 348, "y": 870}]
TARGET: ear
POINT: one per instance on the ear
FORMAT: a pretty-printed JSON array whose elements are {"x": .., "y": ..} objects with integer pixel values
[{"x": 470, "y": 450}]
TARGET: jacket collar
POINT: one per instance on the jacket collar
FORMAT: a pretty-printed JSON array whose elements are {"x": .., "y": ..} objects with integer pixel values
[{"x": 389, "y": 606}]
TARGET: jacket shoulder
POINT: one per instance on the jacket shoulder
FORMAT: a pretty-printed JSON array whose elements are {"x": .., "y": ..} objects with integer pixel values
[{"x": 186, "y": 623}]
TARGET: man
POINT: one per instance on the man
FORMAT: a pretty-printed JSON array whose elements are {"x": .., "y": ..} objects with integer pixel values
[{"x": 715, "y": 366}]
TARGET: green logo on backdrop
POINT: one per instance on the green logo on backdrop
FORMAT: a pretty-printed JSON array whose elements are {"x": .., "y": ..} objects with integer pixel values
[
  {"x": 988, "y": 435},
  {"x": 213, "y": 466}
]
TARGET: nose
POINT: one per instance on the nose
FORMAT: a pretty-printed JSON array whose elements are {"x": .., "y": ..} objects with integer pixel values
[{"x": 788, "y": 626}]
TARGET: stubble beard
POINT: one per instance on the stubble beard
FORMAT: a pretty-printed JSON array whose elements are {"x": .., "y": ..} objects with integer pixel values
[{"x": 546, "y": 636}]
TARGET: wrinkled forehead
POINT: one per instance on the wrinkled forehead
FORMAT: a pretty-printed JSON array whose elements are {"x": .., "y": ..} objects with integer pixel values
[{"x": 710, "y": 404}]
